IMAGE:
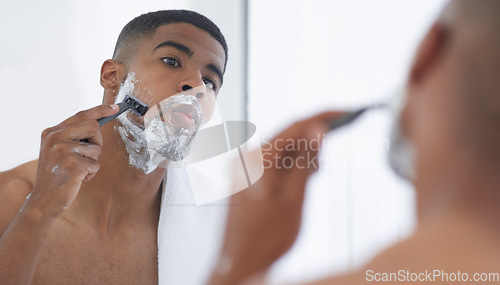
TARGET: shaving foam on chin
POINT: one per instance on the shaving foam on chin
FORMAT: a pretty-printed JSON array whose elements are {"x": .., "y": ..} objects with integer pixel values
[
  {"x": 164, "y": 138},
  {"x": 157, "y": 141}
]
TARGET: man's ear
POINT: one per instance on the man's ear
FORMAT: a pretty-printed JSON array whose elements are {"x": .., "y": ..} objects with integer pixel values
[
  {"x": 112, "y": 73},
  {"x": 429, "y": 52}
]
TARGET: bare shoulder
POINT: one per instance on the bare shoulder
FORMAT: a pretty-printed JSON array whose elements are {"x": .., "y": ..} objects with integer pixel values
[
  {"x": 387, "y": 261},
  {"x": 15, "y": 185},
  {"x": 19, "y": 180}
]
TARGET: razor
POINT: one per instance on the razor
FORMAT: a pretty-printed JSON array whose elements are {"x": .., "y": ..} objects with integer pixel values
[
  {"x": 128, "y": 103},
  {"x": 351, "y": 116}
]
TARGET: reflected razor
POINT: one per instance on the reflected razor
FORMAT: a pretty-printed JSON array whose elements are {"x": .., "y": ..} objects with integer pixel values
[{"x": 352, "y": 116}]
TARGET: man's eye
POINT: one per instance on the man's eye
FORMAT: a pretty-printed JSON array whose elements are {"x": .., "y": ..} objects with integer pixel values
[
  {"x": 171, "y": 61},
  {"x": 209, "y": 83}
]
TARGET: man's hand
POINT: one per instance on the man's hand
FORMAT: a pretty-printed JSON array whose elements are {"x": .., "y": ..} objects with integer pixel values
[
  {"x": 66, "y": 159},
  {"x": 264, "y": 220}
]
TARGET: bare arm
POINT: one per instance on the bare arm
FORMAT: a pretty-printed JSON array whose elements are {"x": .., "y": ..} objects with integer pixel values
[
  {"x": 24, "y": 231},
  {"x": 64, "y": 163}
]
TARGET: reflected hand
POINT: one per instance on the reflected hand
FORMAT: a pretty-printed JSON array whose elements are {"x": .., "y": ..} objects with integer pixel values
[{"x": 264, "y": 220}]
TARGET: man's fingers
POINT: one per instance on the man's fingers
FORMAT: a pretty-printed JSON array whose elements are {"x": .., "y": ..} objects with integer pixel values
[
  {"x": 66, "y": 160},
  {"x": 88, "y": 130},
  {"x": 91, "y": 114},
  {"x": 306, "y": 163},
  {"x": 79, "y": 168},
  {"x": 92, "y": 169},
  {"x": 87, "y": 150},
  {"x": 326, "y": 117},
  {"x": 297, "y": 145}
]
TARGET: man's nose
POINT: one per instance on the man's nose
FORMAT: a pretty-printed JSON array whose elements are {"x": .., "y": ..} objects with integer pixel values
[
  {"x": 190, "y": 90},
  {"x": 192, "y": 84}
]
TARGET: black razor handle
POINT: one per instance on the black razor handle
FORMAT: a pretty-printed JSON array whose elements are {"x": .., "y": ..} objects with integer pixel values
[
  {"x": 351, "y": 116},
  {"x": 123, "y": 107},
  {"x": 346, "y": 119}
]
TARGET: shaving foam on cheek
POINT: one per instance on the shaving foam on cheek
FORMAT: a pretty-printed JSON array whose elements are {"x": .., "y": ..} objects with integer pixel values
[
  {"x": 126, "y": 87},
  {"x": 131, "y": 132},
  {"x": 402, "y": 154}
]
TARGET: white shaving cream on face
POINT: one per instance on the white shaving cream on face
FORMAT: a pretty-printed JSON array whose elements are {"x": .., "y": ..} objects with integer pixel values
[
  {"x": 166, "y": 139},
  {"x": 402, "y": 154},
  {"x": 126, "y": 87},
  {"x": 158, "y": 140}
]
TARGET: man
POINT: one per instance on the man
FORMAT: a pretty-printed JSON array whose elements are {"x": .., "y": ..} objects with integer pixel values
[
  {"x": 86, "y": 212},
  {"x": 451, "y": 124}
]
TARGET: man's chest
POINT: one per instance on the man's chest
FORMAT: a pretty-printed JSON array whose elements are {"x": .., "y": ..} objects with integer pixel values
[{"x": 79, "y": 259}]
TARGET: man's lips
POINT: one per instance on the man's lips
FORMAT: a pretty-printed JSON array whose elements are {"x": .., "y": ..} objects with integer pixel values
[
  {"x": 185, "y": 116},
  {"x": 182, "y": 119}
]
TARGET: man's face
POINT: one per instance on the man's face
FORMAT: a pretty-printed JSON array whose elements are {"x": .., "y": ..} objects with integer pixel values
[
  {"x": 426, "y": 126},
  {"x": 179, "y": 58},
  {"x": 441, "y": 117},
  {"x": 178, "y": 73}
]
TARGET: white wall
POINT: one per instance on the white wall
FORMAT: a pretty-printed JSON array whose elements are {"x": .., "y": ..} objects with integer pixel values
[
  {"x": 311, "y": 55},
  {"x": 51, "y": 54}
]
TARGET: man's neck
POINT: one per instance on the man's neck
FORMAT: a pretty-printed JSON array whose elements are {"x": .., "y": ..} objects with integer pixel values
[
  {"x": 119, "y": 195},
  {"x": 467, "y": 186}
]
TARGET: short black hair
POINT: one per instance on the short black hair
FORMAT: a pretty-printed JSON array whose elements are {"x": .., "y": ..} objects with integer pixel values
[{"x": 147, "y": 24}]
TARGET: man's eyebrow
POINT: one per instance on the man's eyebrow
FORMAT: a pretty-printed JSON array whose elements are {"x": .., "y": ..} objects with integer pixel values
[
  {"x": 176, "y": 45},
  {"x": 215, "y": 69}
]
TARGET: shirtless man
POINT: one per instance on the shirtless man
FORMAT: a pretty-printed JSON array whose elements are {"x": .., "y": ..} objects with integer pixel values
[
  {"x": 83, "y": 213},
  {"x": 451, "y": 119}
]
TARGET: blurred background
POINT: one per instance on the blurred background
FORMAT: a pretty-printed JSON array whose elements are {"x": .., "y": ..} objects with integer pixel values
[{"x": 288, "y": 59}]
